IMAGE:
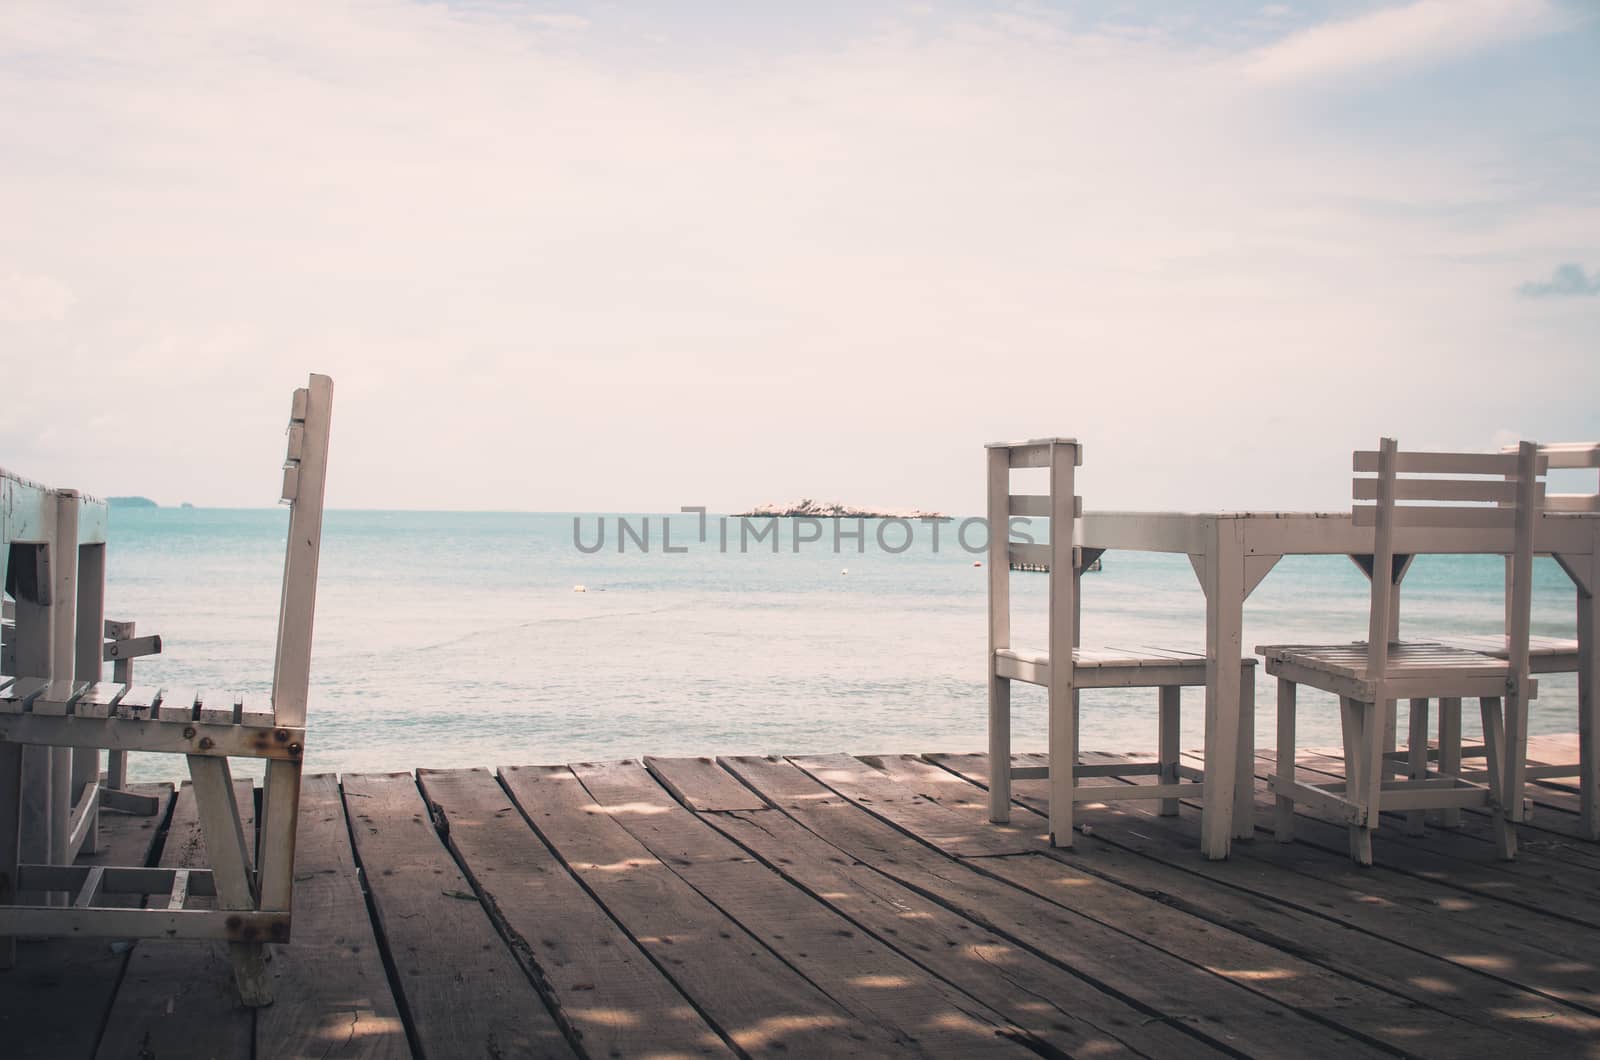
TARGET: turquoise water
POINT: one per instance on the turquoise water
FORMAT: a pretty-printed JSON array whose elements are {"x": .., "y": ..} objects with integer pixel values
[{"x": 455, "y": 638}]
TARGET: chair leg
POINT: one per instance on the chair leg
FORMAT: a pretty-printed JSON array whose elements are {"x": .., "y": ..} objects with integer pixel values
[
  {"x": 1355, "y": 769},
  {"x": 1364, "y": 776},
  {"x": 230, "y": 867},
  {"x": 1450, "y": 753},
  {"x": 999, "y": 748},
  {"x": 1284, "y": 778},
  {"x": 280, "y": 813},
  {"x": 1515, "y": 750},
  {"x": 1505, "y": 834},
  {"x": 1351, "y": 729},
  {"x": 1244, "y": 784},
  {"x": 1417, "y": 752},
  {"x": 85, "y": 775},
  {"x": 1589, "y": 714},
  {"x": 1374, "y": 773},
  {"x": 1167, "y": 739},
  {"x": 10, "y": 837},
  {"x": 1063, "y": 758},
  {"x": 117, "y": 770}
]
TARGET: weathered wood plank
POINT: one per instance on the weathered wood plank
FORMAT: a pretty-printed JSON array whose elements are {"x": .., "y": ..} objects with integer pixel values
[
  {"x": 713, "y": 788},
  {"x": 1363, "y": 1010},
  {"x": 1051, "y": 1004},
  {"x": 1487, "y": 1010},
  {"x": 1553, "y": 958},
  {"x": 873, "y": 980},
  {"x": 1192, "y": 998},
  {"x": 616, "y": 1001},
  {"x": 53, "y": 1002},
  {"x": 928, "y": 820},
  {"x": 751, "y": 996},
  {"x": 179, "y": 998},
  {"x": 331, "y": 996},
  {"x": 462, "y": 990}
]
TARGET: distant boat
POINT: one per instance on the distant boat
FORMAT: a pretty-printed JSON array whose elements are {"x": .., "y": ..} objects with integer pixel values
[{"x": 806, "y": 508}]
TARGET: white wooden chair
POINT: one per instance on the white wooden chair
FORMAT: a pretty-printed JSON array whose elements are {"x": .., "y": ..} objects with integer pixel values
[
  {"x": 1546, "y": 655},
  {"x": 51, "y": 708},
  {"x": 111, "y": 792},
  {"x": 1368, "y": 677},
  {"x": 50, "y": 796},
  {"x": 1166, "y": 670}
]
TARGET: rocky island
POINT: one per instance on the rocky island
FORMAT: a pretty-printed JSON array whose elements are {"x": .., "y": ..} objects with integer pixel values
[{"x": 806, "y": 508}]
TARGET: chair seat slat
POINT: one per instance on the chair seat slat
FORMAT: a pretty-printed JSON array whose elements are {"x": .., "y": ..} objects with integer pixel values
[
  {"x": 99, "y": 700},
  {"x": 140, "y": 702},
  {"x": 220, "y": 708},
  {"x": 178, "y": 706},
  {"x": 256, "y": 712},
  {"x": 21, "y": 693}
]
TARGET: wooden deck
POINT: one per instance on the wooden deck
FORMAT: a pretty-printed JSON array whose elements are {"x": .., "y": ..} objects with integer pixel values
[{"x": 828, "y": 906}]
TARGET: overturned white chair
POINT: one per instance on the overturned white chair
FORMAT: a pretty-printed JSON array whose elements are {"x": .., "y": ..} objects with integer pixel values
[
  {"x": 1167, "y": 670},
  {"x": 58, "y": 700},
  {"x": 1495, "y": 496}
]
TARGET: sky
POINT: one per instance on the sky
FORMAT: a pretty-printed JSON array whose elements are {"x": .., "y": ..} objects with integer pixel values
[{"x": 627, "y": 257}]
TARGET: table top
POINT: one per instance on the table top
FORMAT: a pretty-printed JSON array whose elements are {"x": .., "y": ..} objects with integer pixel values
[
  {"x": 28, "y": 513},
  {"x": 1317, "y": 533}
]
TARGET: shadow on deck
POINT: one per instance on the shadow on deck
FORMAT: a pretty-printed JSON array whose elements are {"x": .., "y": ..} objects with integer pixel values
[{"x": 830, "y": 905}]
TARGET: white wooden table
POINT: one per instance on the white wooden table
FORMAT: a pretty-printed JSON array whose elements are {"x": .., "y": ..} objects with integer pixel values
[{"x": 1233, "y": 551}]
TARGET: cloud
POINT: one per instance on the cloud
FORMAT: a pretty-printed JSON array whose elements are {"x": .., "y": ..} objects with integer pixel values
[
  {"x": 1421, "y": 32},
  {"x": 1503, "y": 437},
  {"x": 26, "y": 299},
  {"x": 1568, "y": 279},
  {"x": 949, "y": 230}
]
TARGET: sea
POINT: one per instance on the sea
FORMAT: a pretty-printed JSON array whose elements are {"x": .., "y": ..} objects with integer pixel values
[{"x": 451, "y": 639}]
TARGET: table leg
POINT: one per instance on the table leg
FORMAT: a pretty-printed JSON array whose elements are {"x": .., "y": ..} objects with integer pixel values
[
  {"x": 1244, "y": 785},
  {"x": 1224, "y": 585},
  {"x": 1450, "y": 752},
  {"x": 33, "y": 660},
  {"x": 1584, "y": 570},
  {"x": 64, "y": 555},
  {"x": 999, "y": 746},
  {"x": 10, "y": 837},
  {"x": 1168, "y": 734},
  {"x": 87, "y": 665},
  {"x": 1417, "y": 756},
  {"x": 1589, "y": 707}
]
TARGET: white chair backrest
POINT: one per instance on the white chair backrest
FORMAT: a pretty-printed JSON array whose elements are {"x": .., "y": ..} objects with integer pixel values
[
  {"x": 1567, "y": 456},
  {"x": 305, "y": 472},
  {"x": 1061, "y": 506},
  {"x": 1456, "y": 491}
]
